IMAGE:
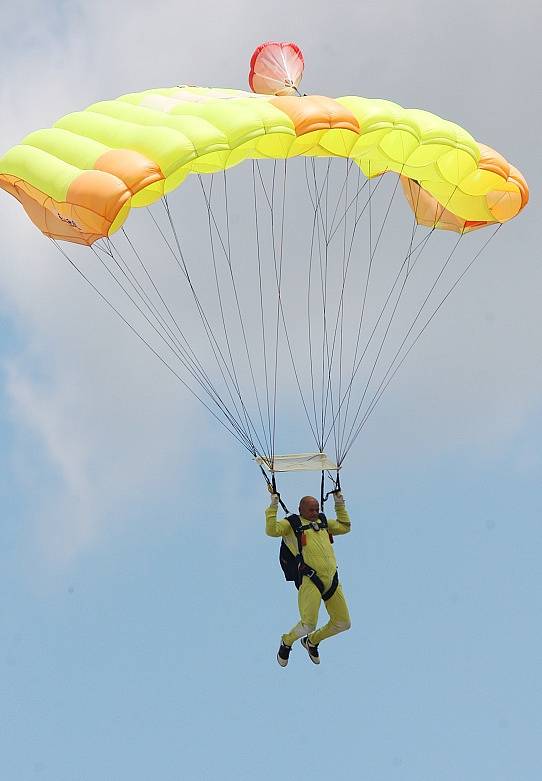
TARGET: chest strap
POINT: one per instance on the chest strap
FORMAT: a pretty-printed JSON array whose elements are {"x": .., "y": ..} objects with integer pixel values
[{"x": 303, "y": 569}]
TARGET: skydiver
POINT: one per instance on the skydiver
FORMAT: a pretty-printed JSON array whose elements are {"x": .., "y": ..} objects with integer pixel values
[{"x": 317, "y": 572}]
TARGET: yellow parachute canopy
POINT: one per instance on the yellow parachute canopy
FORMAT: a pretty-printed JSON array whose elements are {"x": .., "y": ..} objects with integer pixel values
[{"x": 78, "y": 180}]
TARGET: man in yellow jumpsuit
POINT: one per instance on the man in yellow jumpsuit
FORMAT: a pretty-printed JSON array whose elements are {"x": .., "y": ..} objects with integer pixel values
[{"x": 319, "y": 556}]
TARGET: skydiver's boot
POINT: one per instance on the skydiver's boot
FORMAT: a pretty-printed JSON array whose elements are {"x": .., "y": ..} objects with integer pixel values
[
  {"x": 283, "y": 654},
  {"x": 312, "y": 650}
]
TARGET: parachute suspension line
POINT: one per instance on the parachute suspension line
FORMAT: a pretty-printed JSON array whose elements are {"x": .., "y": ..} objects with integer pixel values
[
  {"x": 241, "y": 321},
  {"x": 192, "y": 365},
  {"x": 124, "y": 270},
  {"x": 280, "y": 307},
  {"x": 323, "y": 268},
  {"x": 262, "y": 310},
  {"x": 409, "y": 270},
  {"x": 168, "y": 339},
  {"x": 318, "y": 191},
  {"x": 270, "y": 202},
  {"x": 190, "y": 354},
  {"x": 285, "y": 326},
  {"x": 387, "y": 329},
  {"x": 321, "y": 229},
  {"x": 233, "y": 372},
  {"x": 181, "y": 262},
  {"x": 381, "y": 391},
  {"x": 340, "y": 308},
  {"x": 339, "y": 317},
  {"x": 213, "y": 341},
  {"x": 147, "y": 344},
  {"x": 321, "y": 232},
  {"x": 230, "y": 369},
  {"x": 329, "y": 358},
  {"x": 354, "y": 202},
  {"x": 277, "y": 264},
  {"x": 340, "y": 312},
  {"x": 357, "y": 219},
  {"x": 372, "y": 253},
  {"x": 352, "y": 437},
  {"x": 279, "y": 288},
  {"x": 206, "y": 326},
  {"x": 278, "y": 279},
  {"x": 329, "y": 394},
  {"x": 419, "y": 249},
  {"x": 364, "y": 301},
  {"x": 216, "y": 352},
  {"x": 349, "y": 165},
  {"x": 356, "y": 366},
  {"x": 213, "y": 396},
  {"x": 314, "y": 202},
  {"x": 183, "y": 355},
  {"x": 296, "y": 374},
  {"x": 227, "y": 253}
]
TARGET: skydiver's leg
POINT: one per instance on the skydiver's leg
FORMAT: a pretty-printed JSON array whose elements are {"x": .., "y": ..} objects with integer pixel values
[
  {"x": 339, "y": 618},
  {"x": 308, "y": 599}
]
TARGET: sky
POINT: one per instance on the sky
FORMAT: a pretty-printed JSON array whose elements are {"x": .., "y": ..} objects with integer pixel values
[{"x": 142, "y": 604}]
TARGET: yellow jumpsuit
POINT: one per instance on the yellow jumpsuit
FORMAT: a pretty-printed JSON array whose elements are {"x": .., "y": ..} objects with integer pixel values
[{"x": 318, "y": 553}]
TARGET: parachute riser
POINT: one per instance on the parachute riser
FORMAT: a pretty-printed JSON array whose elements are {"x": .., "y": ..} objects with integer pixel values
[
  {"x": 335, "y": 490},
  {"x": 272, "y": 487}
]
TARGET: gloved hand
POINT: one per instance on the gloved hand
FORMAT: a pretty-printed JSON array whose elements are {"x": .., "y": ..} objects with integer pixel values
[
  {"x": 338, "y": 498},
  {"x": 274, "y": 500}
]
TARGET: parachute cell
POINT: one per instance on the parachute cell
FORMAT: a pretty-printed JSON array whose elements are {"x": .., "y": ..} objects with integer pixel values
[{"x": 78, "y": 180}]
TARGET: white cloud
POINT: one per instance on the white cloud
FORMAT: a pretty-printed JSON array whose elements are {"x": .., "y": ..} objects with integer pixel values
[{"x": 46, "y": 412}]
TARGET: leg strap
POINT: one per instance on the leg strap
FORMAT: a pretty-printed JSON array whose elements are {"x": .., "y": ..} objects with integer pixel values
[
  {"x": 333, "y": 588},
  {"x": 308, "y": 572}
]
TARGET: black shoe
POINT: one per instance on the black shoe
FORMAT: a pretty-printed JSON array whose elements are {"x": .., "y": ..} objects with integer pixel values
[
  {"x": 312, "y": 650},
  {"x": 283, "y": 654}
]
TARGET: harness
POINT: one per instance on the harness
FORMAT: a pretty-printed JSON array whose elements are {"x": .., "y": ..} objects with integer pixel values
[{"x": 303, "y": 570}]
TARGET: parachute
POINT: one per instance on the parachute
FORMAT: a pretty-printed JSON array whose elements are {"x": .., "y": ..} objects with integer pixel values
[
  {"x": 276, "y": 69},
  {"x": 270, "y": 290}
]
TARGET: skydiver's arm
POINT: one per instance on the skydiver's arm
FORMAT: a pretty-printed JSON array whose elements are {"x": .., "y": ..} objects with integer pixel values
[
  {"x": 273, "y": 527},
  {"x": 340, "y": 524}
]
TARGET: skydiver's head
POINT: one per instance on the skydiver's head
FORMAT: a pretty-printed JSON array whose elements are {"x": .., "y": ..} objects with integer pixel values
[{"x": 309, "y": 508}]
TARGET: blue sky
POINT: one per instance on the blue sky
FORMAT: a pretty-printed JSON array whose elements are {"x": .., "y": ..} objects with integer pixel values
[{"x": 142, "y": 604}]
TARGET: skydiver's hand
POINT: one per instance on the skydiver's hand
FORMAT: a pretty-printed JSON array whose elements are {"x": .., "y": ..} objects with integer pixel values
[
  {"x": 338, "y": 498},
  {"x": 274, "y": 500}
]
